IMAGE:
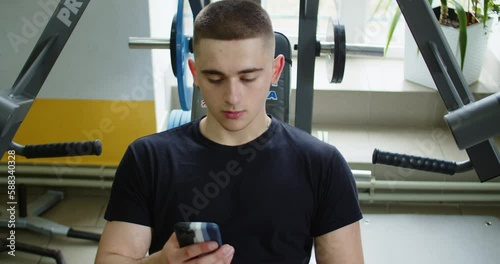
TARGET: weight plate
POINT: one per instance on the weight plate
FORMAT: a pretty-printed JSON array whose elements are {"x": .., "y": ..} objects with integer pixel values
[
  {"x": 335, "y": 63},
  {"x": 173, "y": 119},
  {"x": 182, "y": 50},
  {"x": 173, "y": 37},
  {"x": 340, "y": 52},
  {"x": 186, "y": 117}
]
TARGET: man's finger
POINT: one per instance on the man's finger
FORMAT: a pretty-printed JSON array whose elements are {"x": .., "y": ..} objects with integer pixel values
[
  {"x": 195, "y": 250},
  {"x": 222, "y": 255}
]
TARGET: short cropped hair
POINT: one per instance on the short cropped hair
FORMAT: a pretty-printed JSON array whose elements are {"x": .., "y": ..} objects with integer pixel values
[{"x": 233, "y": 20}]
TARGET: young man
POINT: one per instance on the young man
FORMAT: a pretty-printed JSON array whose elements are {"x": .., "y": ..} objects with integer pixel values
[{"x": 273, "y": 189}]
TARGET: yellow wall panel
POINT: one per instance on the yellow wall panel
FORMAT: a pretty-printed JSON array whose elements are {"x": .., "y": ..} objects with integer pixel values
[{"x": 115, "y": 123}]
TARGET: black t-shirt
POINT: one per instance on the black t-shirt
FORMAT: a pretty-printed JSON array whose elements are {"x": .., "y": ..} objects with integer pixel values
[{"x": 270, "y": 197}]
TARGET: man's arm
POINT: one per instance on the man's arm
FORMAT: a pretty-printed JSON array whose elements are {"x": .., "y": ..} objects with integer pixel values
[
  {"x": 127, "y": 243},
  {"x": 340, "y": 246},
  {"x": 123, "y": 242}
]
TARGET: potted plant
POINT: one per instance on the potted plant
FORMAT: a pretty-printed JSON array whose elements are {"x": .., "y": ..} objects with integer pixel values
[{"x": 465, "y": 30}]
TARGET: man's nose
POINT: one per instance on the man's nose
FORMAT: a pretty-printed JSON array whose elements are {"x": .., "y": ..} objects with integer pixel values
[{"x": 232, "y": 93}]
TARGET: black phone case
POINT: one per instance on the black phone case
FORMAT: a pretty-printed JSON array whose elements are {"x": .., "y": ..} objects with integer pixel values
[{"x": 196, "y": 232}]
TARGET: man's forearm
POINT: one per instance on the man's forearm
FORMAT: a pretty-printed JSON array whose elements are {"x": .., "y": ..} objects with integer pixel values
[{"x": 111, "y": 258}]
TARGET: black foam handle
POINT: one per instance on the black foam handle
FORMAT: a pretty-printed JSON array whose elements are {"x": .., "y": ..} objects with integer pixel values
[
  {"x": 414, "y": 162},
  {"x": 63, "y": 149},
  {"x": 83, "y": 235},
  {"x": 56, "y": 254}
]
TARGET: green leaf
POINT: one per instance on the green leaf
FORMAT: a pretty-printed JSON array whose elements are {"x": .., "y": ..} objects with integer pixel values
[
  {"x": 394, "y": 23},
  {"x": 485, "y": 11},
  {"x": 462, "y": 31},
  {"x": 379, "y": 5}
]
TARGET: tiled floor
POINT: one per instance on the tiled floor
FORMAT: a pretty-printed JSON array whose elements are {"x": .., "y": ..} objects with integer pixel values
[{"x": 83, "y": 209}]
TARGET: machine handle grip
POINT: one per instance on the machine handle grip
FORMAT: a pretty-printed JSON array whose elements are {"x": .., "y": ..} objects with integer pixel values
[
  {"x": 414, "y": 162},
  {"x": 66, "y": 149},
  {"x": 83, "y": 235}
]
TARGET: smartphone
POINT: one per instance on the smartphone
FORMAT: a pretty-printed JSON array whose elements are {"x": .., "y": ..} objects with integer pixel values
[{"x": 196, "y": 232}]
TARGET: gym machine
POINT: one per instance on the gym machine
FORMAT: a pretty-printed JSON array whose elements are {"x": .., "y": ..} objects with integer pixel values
[
  {"x": 472, "y": 123},
  {"x": 465, "y": 117},
  {"x": 278, "y": 102},
  {"x": 14, "y": 106}
]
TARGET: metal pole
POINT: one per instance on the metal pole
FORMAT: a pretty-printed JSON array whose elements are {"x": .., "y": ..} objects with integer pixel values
[
  {"x": 448, "y": 77},
  {"x": 354, "y": 49},
  {"x": 148, "y": 43},
  {"x": 308, "y": 21},
  {"x": 475, "y": 122}
]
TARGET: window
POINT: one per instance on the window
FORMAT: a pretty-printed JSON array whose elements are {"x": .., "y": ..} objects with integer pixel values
[{"x": 363, "y": 25}]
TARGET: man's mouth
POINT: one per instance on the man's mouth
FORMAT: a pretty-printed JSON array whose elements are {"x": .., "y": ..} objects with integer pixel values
[{"x": 233, "y": 114}]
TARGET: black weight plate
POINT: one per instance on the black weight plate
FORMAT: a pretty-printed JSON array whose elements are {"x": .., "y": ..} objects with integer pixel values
[
  {"x": 340, "y": 52},
  {"x": 173, "y": 39},
  {"x": 335, "y": 63}
]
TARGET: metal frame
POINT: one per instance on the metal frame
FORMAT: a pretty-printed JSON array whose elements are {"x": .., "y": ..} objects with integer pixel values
[
  {"x": 443, "y": 68},
  {"x": 196, "y": 6},
  {"x": 306, "y": 59},
  {"x": 449, "y": 79},
  {"x": 15, "y": 104}
]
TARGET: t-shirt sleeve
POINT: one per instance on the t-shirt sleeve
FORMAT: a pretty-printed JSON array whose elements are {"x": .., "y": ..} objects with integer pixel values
[
  {"x": 129, "y": 197},
  {"x": 338, "y": 204}
]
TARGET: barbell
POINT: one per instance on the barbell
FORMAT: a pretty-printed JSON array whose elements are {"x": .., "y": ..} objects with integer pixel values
[
  {"x": 334, "y": 48},
  {"x": 180, "y": 45}
]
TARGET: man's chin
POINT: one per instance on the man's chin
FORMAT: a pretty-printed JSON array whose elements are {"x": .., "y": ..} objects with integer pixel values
[{"x": 234, "y": 125}]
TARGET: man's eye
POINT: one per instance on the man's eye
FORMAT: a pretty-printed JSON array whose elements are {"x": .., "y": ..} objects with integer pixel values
[
  {"x": 248, "y": 79},
  {"x": 214, "y": 80}
]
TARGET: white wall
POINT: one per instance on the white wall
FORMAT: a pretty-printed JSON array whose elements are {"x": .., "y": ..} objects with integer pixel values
[
  {"x": 161, "y": 15},
  {"x": 96, "y": 62}
]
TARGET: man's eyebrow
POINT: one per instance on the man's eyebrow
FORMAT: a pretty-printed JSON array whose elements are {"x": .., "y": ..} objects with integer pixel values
[
  {"x": 212, "y": 72},
  {"x": 216, "y": 72},
  {"x": 250, "y": 70}
]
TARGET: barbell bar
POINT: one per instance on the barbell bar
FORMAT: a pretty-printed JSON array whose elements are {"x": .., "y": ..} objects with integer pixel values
[
  {"x": 148, "y": 43},
  {"x": 354, "y": 49},
  {"x": 180, "y": 45},
  {"x": 335, "y": 70},
  {"x": 326, "y": 47}
]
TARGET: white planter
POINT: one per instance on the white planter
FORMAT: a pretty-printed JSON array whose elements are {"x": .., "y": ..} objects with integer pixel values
[{"x": 416, "y": 70}]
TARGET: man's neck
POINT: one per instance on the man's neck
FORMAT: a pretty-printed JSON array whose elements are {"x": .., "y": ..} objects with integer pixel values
[{"x": 213, "y": 130}]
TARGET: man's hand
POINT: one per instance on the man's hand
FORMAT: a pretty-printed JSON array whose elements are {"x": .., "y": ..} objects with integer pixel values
[
  {"x": 206, "y": 252},
  {"x": 126, "y": 243}
]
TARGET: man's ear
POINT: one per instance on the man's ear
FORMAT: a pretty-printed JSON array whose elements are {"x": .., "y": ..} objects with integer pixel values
[
  {"x": 192, "y": 67},
  {"x": 278, "y": 64}
]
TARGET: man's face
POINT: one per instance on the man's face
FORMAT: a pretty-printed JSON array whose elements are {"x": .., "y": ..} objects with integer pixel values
[{"x": 234, "y": 77}]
